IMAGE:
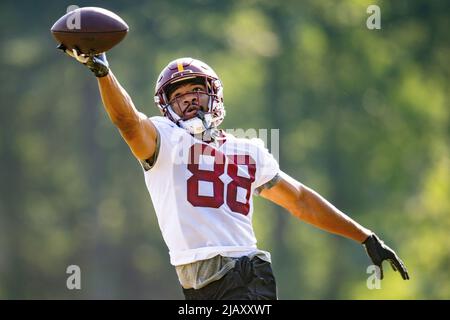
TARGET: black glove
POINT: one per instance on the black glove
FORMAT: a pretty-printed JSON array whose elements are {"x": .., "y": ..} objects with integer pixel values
[
  {"x": 96, "y": 63},
  {"x": 378, "y": 252}
]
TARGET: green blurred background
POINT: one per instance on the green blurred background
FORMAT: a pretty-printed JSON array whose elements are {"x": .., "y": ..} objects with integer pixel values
[{"x": 363, "y": 118}]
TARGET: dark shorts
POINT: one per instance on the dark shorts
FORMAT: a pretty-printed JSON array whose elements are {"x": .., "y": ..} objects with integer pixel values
[{"x": 248, "y": 280}]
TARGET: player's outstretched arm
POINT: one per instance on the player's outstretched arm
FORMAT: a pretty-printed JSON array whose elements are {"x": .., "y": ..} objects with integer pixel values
[
  {"x": 134, "y": 126},
  {"x": 309, "y": 206}
]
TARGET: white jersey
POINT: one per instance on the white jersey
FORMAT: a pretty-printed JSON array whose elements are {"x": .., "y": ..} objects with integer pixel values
[{"x": 202, "y": 193}]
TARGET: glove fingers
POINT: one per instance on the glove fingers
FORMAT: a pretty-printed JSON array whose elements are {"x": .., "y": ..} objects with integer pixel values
[
  {"x": 397, "y": 264},
  {"x": 381, "y": 271},
  {"x": 65, "y": 50},
  {"x": 401, "y": 268},
  {"x": 73, "y": 53},
  {"x": 70, "y": 53},
  {"x": 392, "y": 265},
  {"x": 80, "y": 57}
]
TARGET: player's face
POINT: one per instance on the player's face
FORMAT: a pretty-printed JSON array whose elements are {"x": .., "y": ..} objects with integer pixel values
[{"x": 188, "y": 98}]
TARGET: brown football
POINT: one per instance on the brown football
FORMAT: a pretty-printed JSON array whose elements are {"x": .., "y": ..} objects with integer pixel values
[{"x": 91, "y": 30}]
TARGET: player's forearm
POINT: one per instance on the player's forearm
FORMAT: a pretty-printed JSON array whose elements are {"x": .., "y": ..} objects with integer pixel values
[
  {"x": 117, "y": 102},
  {"x": 317, "y": 211}
]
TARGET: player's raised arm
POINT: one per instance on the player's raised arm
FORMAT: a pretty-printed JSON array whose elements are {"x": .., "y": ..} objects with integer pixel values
[
  {"x": 309, "y": 206},
  {"x": 134, "y": 126}
]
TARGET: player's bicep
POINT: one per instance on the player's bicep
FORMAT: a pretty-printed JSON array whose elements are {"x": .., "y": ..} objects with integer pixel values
[
  {"x": 141, "y": 138},
  {"x": 286, "y": 192}
]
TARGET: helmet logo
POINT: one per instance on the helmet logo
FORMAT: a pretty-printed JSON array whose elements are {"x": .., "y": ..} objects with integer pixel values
[{"x": 180, "y": 66}]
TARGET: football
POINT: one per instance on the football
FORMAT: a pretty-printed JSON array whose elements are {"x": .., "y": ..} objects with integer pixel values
[{"x": 90, "y": 30}]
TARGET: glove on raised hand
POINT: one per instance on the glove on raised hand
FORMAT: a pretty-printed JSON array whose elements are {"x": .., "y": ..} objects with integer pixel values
[{"x": 96, "y": 63}]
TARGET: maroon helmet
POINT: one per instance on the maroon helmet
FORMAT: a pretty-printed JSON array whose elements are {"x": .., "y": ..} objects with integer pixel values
[{"x": 183, "y": 70}]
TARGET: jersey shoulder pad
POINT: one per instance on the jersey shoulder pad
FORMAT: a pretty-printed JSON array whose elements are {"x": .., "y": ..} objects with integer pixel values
[{"x": 159, "y": 120}]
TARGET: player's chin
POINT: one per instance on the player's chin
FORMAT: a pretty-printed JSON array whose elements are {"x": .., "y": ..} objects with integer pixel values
[{"x": 190, "y": 114}]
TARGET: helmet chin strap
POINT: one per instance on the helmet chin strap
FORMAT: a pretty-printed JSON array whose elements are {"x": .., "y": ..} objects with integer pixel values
[
  {"x": 201, "y": 115},
  {"x": 210, "y": 132}
]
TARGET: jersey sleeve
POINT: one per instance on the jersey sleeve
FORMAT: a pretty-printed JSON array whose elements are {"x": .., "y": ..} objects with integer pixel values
[
  {"x": 267, "y": 168},
  {"x": 162, "y": 154}
]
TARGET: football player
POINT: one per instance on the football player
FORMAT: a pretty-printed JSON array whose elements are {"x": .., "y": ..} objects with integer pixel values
[{"x": 201, "y": 181}]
